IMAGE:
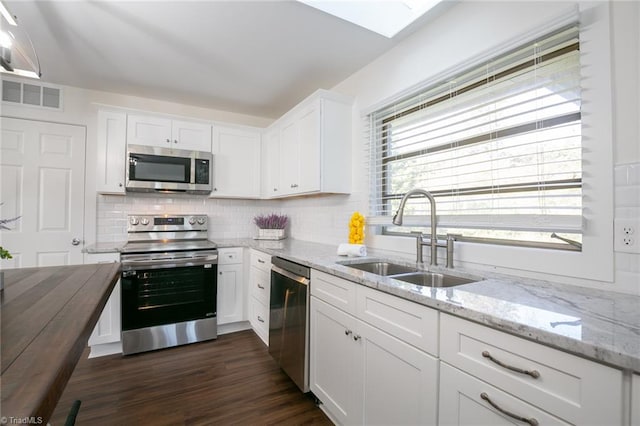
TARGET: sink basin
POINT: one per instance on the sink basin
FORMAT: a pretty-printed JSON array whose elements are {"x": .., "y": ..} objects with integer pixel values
[
  {"x": 432, "y": 279},
  {"x": 381, "y": 268}
]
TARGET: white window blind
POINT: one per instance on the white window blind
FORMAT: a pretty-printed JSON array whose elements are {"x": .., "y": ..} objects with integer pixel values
[{"x": 499, "y": 146}]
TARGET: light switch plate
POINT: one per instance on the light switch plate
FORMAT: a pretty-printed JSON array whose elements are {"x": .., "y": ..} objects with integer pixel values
[{"x": 626, "y": 235}]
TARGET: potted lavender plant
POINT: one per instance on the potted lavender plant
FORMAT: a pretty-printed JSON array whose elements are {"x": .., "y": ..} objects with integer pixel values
[{"x": 271, "y": 226}]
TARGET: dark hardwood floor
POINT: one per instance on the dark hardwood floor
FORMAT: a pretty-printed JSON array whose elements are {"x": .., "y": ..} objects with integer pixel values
[{"x": 231, "y": 380}]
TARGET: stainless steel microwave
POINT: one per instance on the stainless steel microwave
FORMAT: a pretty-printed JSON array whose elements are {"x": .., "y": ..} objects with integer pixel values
[{"x": 155, "y": 169}]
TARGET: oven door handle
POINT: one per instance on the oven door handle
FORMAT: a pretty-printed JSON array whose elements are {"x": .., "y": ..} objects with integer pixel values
[{"x": 133, "y": 264}]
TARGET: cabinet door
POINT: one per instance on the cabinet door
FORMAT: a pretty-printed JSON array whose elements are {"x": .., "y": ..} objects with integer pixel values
[
  {"x": 271, "y": 164},
  {"x": 635, "y": 400},
  {"x": 149, "y": 130},
  {"x": 462, "y": 403},
  {"x": 259, "y": 319},
  {"x": 289, "y": 158},
  {"x": 191, "y": 136},
  {"x": 236, "y": 163},
  {"x": 230, "y": 294},
  {"x": 108, "y": 328},
  {"x": 309, "y": 149},
  {"x": 111, "y": 152},
  {"x": 333, "y": 362},
  {"x": 399, "y": 382}
]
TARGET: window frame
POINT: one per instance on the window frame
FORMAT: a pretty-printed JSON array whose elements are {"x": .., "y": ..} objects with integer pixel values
[{"x": 595, "y": 263}]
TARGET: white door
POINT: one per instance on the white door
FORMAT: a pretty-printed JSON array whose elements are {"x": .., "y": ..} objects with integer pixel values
[{"x": 43, "y": 174}]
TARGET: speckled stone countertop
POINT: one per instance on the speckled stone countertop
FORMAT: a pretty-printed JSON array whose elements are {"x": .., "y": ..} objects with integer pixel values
[{"x": 596, "y": 324}]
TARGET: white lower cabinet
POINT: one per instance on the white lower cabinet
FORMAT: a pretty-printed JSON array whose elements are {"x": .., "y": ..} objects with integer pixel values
[
  {"x": 105, "y": 338},
  {"x": 524, "y": 378},
  {"x": 635, "y": 400},
  {"x": 230, "y": 297},
  {"x": 362, "y": 374},
  {"x": 465, "y": 400},
  {"x": 259, "y": 293}
]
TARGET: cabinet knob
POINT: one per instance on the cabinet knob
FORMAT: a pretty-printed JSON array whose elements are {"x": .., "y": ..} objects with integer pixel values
[
  {"x": 215, "y": 189},
  {"x": 356, "y": 337},
  {"x": 168, "y": 141},
  {"x": 175, "y": 141},
  {"x": 347, "y": 332},
  {"x": 120, "y": 185},
  {"x": 275, "y": 189}
]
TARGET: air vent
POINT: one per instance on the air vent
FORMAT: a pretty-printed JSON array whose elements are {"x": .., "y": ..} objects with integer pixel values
[{"x": 31, "y": 94}]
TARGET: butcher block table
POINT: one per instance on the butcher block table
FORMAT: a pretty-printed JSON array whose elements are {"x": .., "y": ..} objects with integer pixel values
[{"x": 47, "y": 316}]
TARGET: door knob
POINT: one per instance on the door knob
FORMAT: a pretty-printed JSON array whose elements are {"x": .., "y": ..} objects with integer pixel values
[{"x": 75, "y": 242}]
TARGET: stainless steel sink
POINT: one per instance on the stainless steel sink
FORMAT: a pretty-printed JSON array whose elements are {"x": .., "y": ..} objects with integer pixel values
[
  {"x": 432, "y": 279},
  {"x": 382, "y": 268},
  {"x": 409, "y": 274}
]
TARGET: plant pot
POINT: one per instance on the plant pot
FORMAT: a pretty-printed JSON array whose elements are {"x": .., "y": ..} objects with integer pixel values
[{"x": 271, "y": 234}]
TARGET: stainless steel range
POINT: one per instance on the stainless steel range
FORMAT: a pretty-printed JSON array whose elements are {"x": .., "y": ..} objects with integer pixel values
[{"x": 169, "y": 283}]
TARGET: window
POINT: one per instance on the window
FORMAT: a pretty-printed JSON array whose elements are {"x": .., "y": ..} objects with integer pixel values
[{"x": 499, "y": 146}]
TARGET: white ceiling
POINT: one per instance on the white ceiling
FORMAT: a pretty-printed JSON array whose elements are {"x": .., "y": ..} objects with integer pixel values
[{"x": 252, "y": 57}]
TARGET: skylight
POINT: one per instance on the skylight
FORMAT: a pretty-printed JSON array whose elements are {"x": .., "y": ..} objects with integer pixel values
[{"x": 385, "y": 17}]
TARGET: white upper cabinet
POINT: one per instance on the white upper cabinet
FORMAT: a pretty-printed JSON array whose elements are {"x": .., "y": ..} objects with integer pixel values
[
  {"x": 164, "y": 132},
  {"x": 271, "y": 163},
  {"x": 236, "y": 162},
  {"x": 111, "y": 152},
  {"x": 315, "y": 147}
]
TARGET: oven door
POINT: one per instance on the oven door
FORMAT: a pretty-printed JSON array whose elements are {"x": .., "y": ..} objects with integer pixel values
[{"x": 167, "y": 291}]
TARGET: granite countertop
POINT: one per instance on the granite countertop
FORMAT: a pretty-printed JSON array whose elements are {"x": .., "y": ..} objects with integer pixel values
[{"x": 596, "y": 324}]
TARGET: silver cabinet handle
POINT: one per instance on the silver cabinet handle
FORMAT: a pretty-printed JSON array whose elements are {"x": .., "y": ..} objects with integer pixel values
[
  {"x": 260, "y": 261},
  {"x": 75, "y": 242},
  {"x": 530, "y": 420},
  {"x": 347, "y": 332},
  {"x": 533, "y": 373},
  {"x": 261, "y": 287},
  {"x": 260, "y": 318},
  {"x": 356, "y": 337}
]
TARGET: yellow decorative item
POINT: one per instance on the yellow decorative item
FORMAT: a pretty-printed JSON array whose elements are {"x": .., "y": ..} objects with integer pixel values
[{"x": 356, "y": 229}]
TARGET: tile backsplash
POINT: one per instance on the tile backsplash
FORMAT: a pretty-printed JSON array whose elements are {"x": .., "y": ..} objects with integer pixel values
[
  {"x": 627, "y": 206},
  {"x": 227, "y": 218}
]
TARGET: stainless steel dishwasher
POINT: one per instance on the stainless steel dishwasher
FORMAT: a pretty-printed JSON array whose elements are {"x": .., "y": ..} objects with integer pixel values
[{"x": 289, "y": 319}]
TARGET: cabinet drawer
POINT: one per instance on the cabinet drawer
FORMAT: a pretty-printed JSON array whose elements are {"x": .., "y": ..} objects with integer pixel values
[
  {"x": 260, "y": 285},
  {"x": 408, "y": 321},
  {"x": 260, "y": 260},
  {"x": 230, "y": 256},
  {"x": 259, "y": 319},
  {"x": 463, "y": 401},
  {"x": 333, "y": 290},
  {"x": 572, "y": 388}
]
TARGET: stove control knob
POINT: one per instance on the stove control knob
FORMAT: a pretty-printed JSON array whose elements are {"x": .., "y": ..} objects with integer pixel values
[
  {"x": 202, "y": 220},
  {"x": 134, "y": 220},
  {"x": 144, "y": 221},
  {"x": 192, "y": 220}
]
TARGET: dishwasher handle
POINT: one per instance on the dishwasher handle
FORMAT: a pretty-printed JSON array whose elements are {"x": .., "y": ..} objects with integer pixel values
[{"x": 290, "y": 275}]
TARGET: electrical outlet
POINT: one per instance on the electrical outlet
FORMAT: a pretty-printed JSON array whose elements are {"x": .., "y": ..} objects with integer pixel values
[{"x": 626, "y": 235}]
